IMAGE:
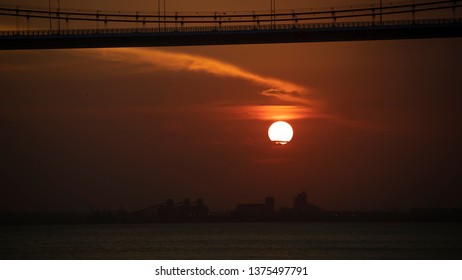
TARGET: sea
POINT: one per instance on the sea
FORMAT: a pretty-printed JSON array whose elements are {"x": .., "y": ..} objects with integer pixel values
[{"x": 229, "y": 241}]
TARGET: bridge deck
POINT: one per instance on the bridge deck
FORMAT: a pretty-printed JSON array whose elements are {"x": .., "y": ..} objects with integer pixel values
[{"x": 242, "y": 34}]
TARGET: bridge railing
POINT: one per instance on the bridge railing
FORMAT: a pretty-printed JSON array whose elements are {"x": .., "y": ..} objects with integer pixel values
[{"x": 237, "y": 28}]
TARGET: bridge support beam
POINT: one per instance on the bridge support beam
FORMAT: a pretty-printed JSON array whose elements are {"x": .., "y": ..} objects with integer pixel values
[{"x": 230, "y": 37}]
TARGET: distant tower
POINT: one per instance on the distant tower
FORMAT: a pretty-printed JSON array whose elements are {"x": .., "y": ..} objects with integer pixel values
[{"x": 301, "y": 202}]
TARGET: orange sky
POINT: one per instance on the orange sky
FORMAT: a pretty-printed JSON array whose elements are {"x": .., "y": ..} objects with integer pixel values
[{"x": 376, "y": 124}]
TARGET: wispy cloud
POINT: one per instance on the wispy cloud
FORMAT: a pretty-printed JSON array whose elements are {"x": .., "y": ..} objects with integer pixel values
[
  {"x": 10, "y": 67},
  {"x": 269, "y": 112},
  {"x": 281, "y": 89}
]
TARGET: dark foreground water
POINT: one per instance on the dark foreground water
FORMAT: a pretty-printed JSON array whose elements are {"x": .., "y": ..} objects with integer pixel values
[{"x": 234, "y": 241}]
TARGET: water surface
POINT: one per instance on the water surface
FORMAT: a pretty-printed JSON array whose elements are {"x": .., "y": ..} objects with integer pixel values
[{"x": 234, "y": 241}]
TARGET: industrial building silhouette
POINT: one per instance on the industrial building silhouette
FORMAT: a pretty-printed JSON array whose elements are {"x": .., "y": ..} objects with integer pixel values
[
  {"x": 171, "y": 211},
  {"x": 197, "y": 211},
  {"x": 188, "y": 210},
  {"x": 256, "y": 209}
]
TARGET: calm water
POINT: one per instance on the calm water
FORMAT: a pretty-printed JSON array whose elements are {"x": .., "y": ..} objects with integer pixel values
[{"x": 234, "y": 241}]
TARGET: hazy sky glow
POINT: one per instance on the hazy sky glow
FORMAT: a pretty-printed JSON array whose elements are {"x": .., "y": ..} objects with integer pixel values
[{"x": 376, "y": 124}]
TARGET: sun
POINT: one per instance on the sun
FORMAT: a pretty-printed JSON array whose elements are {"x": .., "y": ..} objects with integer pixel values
[{"x": 280, "y": 132}]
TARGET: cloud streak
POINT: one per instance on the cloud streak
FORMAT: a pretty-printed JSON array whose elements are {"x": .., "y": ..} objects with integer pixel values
[
  {"x": 174, "y": 61},
  {"x": 269, "y": 112}
]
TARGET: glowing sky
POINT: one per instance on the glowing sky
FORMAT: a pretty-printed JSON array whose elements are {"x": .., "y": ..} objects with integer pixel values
[{"x": 377, "y": 124}]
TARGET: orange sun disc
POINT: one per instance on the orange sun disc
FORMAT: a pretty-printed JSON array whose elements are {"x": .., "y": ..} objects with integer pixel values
[{"x": 280, "y": 132}]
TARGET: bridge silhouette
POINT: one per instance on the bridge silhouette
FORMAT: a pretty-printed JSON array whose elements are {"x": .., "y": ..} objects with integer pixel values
[{"x": 398, "y": 20}]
